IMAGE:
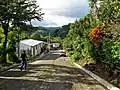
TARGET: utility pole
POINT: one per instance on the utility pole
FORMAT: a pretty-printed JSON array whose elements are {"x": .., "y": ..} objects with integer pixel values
[
  {"x": 49, "y": 41},
  {"x": 18, "y": 37}
]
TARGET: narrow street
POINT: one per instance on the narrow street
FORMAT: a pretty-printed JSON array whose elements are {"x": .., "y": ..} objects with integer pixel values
[{"x": 51, "y": 72}]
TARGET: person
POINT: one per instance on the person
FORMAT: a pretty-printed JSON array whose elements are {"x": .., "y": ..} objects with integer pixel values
[{"x": 24, "y": 60}]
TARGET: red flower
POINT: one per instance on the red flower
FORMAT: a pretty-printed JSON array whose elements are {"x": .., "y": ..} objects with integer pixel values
[{"x": 95, "y": 36}]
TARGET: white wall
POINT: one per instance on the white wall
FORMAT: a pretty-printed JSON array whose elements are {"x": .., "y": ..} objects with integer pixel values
[
  {"x": 24, "y": 46},
  {"x": 37, "y": 49},
  {"x": 27, "y": 47}
]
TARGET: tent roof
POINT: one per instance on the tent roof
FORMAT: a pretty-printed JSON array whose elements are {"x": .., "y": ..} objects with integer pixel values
[{"x": 30, "y": 42}]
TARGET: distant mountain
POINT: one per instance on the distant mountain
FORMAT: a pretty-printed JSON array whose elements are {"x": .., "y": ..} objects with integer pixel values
[
  {"x": 54, "y": 31},
  {"x": 48, "y": 29},
  {"x": 51, "y": 29},
  {"x": 42, "y": 32},
  {"x": 61, "y": 32}
]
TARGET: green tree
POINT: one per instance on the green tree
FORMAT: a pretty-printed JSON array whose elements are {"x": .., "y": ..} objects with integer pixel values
[
  {"x": 17, "y": 13},
  {"x": 77, "y": 41},
  {"x": 61, "y": 32},
  {"x": 94, "y": 7},
  {"x": 35, "y": 36},
  {"x": 1, "y": 35},
  {"x": 11, "y": 47},
  {"x": 109, "y": 11}
]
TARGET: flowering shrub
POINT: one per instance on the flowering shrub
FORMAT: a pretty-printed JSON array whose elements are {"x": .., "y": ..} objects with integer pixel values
[{"x": 95, "y": 36}]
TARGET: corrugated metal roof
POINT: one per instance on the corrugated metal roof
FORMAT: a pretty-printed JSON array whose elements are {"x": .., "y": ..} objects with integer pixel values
[{"x": 31, "y": 42}]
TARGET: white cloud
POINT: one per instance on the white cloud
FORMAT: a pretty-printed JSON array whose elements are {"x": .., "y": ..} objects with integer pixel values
[
  {"x": 59, "y": 20},
  {"x": 61, "y": 12},
  {"x": 53, "y": 3}
]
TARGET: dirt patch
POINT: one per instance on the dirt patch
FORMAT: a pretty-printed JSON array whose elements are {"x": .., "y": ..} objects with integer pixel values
[{"x": 100, "y": 70}]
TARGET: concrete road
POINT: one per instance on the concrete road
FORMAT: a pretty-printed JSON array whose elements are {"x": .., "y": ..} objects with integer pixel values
[{"x": 49, "y": 73}]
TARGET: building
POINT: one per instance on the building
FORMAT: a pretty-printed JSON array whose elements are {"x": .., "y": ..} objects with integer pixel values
[
  {"x": 55, "y": 45},
  {"x": 32, "y": 47}
]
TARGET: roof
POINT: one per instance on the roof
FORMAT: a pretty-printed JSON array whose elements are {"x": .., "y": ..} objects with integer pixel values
[{"x": 30, "y": 42}]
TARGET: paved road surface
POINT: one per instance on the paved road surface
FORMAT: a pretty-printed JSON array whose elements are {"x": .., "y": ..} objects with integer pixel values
[{"x": 49, "y": 73}]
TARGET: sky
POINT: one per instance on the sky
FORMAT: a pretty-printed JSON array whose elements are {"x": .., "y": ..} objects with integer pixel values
[{"x": 61, "y": 12}]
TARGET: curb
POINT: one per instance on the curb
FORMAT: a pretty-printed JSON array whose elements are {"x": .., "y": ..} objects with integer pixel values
[
  {"x": 96, "y": 77},
  {"x": 15, "y": 65},
  {"x": 10, "y": 67}
]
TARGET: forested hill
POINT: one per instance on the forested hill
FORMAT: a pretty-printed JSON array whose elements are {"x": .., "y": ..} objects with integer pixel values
[
  {"x": 54, "y": 31},
  {"x": 48, "y": 29},
  {"x": 61, "y": 32}
]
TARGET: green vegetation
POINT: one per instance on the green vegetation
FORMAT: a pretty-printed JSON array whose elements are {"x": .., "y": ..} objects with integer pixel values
[
  {"x": 13, "y": 16},
  {"x": 96, "y": 36},
  {"x": 35, "y": 36},
  {"x": 61, "y": 32}
]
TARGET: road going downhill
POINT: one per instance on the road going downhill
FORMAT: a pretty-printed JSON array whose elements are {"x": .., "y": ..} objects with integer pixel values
[{"x": 49, "y": 73}]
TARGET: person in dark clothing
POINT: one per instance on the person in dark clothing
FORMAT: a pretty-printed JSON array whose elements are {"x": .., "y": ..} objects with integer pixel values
[{"x": 24, "y": 61}]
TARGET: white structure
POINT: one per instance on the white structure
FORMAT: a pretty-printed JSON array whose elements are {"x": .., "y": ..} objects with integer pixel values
[
  {"x": 33, "y": 47},
  {"x": 56, "y": 45}
]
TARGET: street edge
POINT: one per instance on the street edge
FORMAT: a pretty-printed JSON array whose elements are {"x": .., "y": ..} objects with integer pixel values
[
  {"x": 96, "y": 77},
  {"x": 15, "y": 65}
]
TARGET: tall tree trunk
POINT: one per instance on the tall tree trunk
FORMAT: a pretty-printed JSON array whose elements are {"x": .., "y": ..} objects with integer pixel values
[{"x": 5, "y": 28}]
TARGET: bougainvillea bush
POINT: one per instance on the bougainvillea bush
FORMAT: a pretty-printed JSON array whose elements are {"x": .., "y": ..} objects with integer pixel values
[{"x": 96, "y": 36}]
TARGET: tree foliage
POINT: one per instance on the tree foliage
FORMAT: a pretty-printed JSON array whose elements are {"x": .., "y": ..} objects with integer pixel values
[
  {"x": 17, "y": 13},
  {"x": 61, "y": 32},
  {"x": 35, "y": 36},
  {"x": 96, "y": 35}
]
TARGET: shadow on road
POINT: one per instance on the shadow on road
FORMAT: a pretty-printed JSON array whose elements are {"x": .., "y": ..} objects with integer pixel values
[
  {"x": 12, "y": 84},
  {"x": 46, "y": 77},
  {"x": 15, "y": 73},
  {"x": 51, "y": 56},
  {"x": 62, "y": 73},
  {"x": 55, "y": 77}
]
